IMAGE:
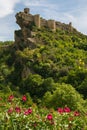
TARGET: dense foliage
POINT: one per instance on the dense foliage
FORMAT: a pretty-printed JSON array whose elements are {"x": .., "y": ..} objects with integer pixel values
[{"x": 53, "y": 71}]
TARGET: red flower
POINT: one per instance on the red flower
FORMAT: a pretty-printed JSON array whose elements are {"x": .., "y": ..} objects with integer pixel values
[
  {"x": 76, "y": 113},
  {"x": 10, "y": 110},
  {"x": 67, "y": 109},
  {"x": 24, "y": 98},
  {"x": 49, "y": 117},
  {"x": 27, "y": 112},
  {"x": 60, "y": 110},
  {"x": 17, "y": 109},
  {"x": 10, "y": 98}
]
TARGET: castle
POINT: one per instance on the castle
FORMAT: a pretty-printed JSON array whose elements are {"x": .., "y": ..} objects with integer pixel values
[{"x": 26, "y": 21}]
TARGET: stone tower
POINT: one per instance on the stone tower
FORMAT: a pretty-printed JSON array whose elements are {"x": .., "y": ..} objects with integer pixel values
[
  {"x": 26, "y": 10},
  {"x": 51, "y": 24},
  {"x": 37, "y": 20}
]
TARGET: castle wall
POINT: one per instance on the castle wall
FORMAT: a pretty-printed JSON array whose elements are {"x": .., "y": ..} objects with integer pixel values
[
  {"x": 37, "y": 20},
  {"x": 43, "y": 22},
  {"x": 51, "y": 24},
  {"x": 27, "y": 17},
  {"x": 26, "y": 20},
  {"x": 63, "y": 26}
]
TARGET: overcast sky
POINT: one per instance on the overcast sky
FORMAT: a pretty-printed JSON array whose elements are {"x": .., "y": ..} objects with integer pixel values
[{"x": 65, "y": 11}]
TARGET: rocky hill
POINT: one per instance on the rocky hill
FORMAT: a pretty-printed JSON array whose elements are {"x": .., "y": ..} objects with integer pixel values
[
  {"x": 28, "y": 23},
  {"x": 45, "y": 55}
]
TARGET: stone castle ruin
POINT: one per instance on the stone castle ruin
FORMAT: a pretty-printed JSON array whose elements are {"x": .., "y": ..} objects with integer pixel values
[{"x": 26, "y": 20}]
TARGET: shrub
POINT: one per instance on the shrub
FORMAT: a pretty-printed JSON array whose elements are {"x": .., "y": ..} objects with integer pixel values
[{"x": 63, "y": 95}]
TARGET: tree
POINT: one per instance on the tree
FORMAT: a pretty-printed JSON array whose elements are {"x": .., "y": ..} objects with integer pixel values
[
  {"x": 33, "y": 85},
  {"x": 64, "y": 95}
]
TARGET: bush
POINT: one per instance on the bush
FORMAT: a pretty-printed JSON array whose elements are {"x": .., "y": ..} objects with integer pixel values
[
  {"x": 64, "y": 95},
  {"x": 83, "y": 88},
  {"x": 32, "y": 84}
]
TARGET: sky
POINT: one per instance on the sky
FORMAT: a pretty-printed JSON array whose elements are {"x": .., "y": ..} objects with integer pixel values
[{"x": 65, "y": 11}]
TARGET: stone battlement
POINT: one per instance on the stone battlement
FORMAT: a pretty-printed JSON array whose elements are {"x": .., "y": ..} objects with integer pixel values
[{"x": 25, "y": 19}]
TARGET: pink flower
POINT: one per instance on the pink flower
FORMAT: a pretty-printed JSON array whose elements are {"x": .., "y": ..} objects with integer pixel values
[
  {"x": 18, "y": 109},
  {"x": 27, "y": 112},
  {"x": 67, "y": 110},
  {"x": 10, "y": 110},
  {"x": 10, "y": 98},
  {"x": 24, "y": 98},
  {"x": 76, "y": 113},
  {"x": 60, "y": 110},
  {"x": 49, "y": 117}
]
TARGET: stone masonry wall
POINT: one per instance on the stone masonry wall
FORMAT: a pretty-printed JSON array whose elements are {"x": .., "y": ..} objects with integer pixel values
[{"x": 26, "y": 21}]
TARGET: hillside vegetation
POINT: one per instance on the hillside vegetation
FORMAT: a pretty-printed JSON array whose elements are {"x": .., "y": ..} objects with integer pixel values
[{"x": 55, "y": 70}]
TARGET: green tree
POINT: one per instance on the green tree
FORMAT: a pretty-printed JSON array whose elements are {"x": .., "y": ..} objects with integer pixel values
[
  {"x": 64, "y": 95},
  {"x": 33, "y": 85}
]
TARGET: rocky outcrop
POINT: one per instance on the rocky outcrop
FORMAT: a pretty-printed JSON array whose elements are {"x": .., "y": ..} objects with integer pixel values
[{"x": 24, "y": 36}]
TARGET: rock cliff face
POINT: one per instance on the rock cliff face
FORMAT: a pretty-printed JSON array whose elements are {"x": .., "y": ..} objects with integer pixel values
[
  {"x": 24, "y": 36},
  {"x": 26, "y": 21}
]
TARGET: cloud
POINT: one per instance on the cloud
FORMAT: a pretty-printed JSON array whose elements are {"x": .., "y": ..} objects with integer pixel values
[
  {"x": 35, "y": 3},
  {"x": 7, "y": 7},
  {"x": 60, "y": 10},
  {"x": 68, "y": 11},
  {"x": 7, "y": 19},
  {"x": 40, "y": 4},
  {"x": 7, "y": 28},
  {"x": 81, "y": 20}
]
